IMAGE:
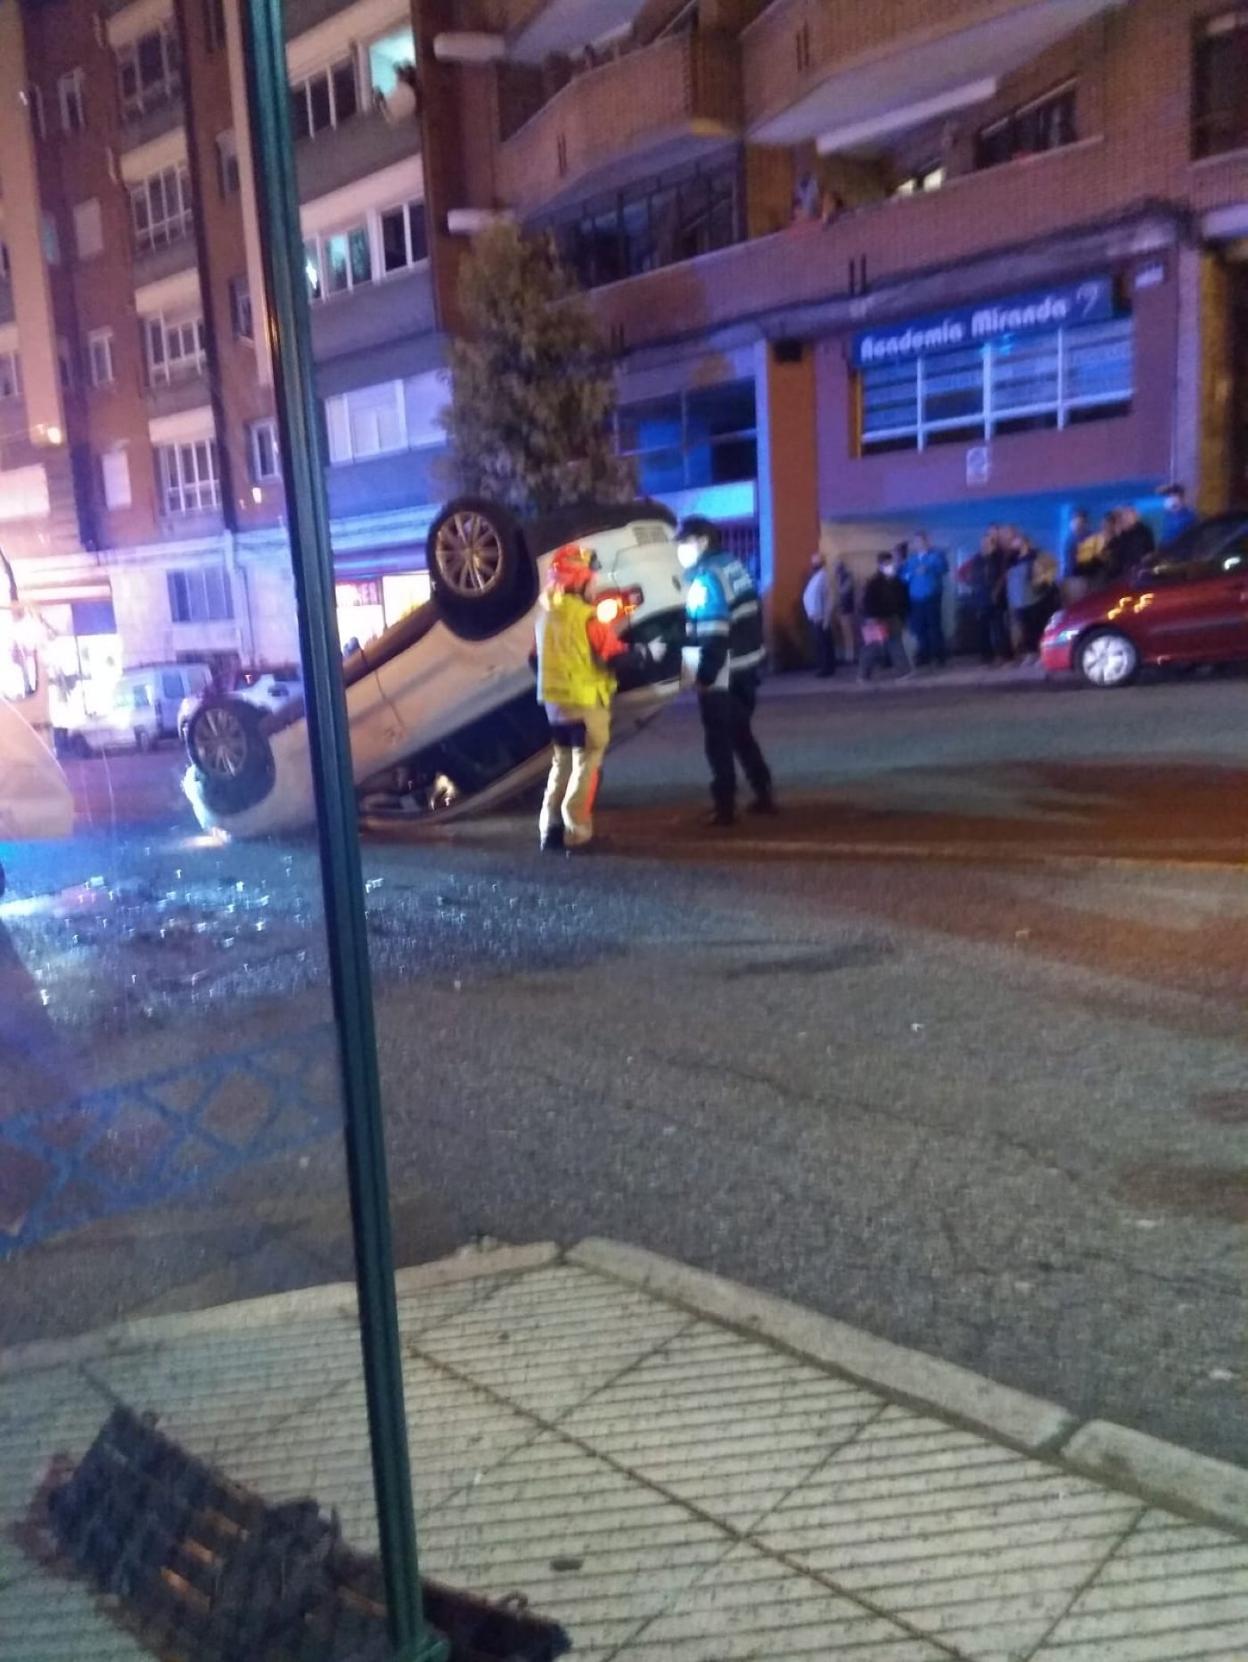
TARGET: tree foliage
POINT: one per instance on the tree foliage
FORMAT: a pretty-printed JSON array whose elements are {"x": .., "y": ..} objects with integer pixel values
[{"x": 532, "y": 392}]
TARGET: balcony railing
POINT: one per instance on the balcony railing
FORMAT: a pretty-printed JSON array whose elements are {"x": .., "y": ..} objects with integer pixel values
[{"x": 685, "y": 86}]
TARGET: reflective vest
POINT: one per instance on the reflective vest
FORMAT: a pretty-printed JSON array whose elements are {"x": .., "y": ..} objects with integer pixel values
[{"x": 568, "y": 669}]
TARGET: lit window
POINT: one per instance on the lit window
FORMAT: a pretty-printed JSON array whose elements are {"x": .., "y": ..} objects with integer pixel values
[
  {"x": 340, "y": 262},
  {"x": 149, "y": 70},
  {"x": 189, "y": 483},
  {"x": 369, "y": 421},
  {"x": 69, "y": 98},
  {"x": 227, "y": 164},
  {"x": 387, "y": 56},
  {"x": 10, "y": 376},
  {"x": 100, "y": 357},
  {"x": 403, "y": 239},
  {"x": 263, "y": 454},
  {"x": 931, "y": 177},
  {"x": 324, "y": 100},
  {"x": 1219, "y": 105}
]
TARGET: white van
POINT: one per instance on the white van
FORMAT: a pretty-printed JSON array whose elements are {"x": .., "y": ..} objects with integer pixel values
[{"x": 144, "y": 707}]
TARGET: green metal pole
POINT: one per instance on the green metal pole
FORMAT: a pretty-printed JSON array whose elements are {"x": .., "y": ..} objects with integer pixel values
[{"x": 268, "y": 99}]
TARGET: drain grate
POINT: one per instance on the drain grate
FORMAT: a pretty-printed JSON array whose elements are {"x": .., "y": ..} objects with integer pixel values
[{"x": 205, "y": 1571}]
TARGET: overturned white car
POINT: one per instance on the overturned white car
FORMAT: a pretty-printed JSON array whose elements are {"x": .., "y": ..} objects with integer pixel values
[{"x": 442, "y": 709}]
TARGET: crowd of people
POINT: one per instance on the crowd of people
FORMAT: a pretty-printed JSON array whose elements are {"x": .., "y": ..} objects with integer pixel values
[{"x": 1007, "y": 591}]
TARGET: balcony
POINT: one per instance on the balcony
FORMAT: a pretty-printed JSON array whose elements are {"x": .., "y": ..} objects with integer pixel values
[
  {"x": 373, "y": 315},
  {"x": 797, "y": 281},
  {"x": 537, "y": 28},
  {"x": 844, "y": 73},
  {"x": 145, "y": 125},
  {"x": 164, "y": 259},
  {"x": 341, "y": 155},
  {"x": 302, "y": 15},
  {"x": 184, "y": 389},
  {"x": 656, "y": 107}
]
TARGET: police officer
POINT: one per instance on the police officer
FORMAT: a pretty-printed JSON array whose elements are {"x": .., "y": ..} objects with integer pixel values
[{"x": 723, "y": 658}]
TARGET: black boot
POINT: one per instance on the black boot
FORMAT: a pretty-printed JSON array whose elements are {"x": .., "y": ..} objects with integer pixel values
[{"x": 552, "y": 840}]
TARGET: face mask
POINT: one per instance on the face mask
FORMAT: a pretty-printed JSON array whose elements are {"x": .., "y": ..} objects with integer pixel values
[
  {"x": 1174, "y": 504},
  {"x": 889, "y": 570},
  {"x": 688, "y": 549}
]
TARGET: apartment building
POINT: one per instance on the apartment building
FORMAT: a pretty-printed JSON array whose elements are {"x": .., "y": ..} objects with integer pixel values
[
  {"x": 864, "y": 268},
  {"x": 140, "y": 492}
]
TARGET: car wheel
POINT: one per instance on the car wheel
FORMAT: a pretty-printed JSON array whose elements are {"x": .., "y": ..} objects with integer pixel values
[
  {"x": 231, "y": 754},
  {"x": 481, "y": 574},
  {"x": 1108, "y": 659}
]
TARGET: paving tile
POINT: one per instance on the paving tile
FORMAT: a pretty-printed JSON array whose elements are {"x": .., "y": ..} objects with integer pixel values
[
  {"x": 48, "y": 1620},
  {"x": 585, "y": 1543},
  {"x": 431, "y": 1306},
  {"x": 41, "y": 1414},
  {"x": 1173, "y": 1590},
  {"x": 751, "y": 1606},
  {"x": 551, "y": 1338},
  {"x": 970, "y": 1543},
  {"x": 218, "y": 1392},
  {"x": 456, "y": 1434},
  {"x": 722, "y": 1422}
]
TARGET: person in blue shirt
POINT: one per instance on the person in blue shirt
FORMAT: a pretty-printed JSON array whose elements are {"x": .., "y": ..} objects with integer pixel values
[
  {"x": 1178, "y": 516},
  {"x": 924, "y": 574}
]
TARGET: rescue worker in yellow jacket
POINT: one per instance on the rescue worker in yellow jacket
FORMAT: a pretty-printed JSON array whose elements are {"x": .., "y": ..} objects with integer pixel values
[{"x": 578, "y": 643}]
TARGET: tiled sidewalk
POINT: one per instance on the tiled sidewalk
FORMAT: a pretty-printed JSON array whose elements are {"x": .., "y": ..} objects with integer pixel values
[{"x": 671, "y": 1490}]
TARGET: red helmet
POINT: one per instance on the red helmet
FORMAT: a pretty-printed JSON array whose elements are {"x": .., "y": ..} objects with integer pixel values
[{"x": 572, "y": 566}]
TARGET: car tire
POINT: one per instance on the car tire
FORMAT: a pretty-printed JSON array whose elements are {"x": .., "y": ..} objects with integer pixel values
[
  {"x": 1107, "y": 659},
  {"x": 481, "y": 573},
  {"x": 231, "y": 755}
]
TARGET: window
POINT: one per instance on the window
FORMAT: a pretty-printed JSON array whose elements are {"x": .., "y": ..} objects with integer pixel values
[
  {"x": 338, "y": 263},
  {"x": 149, "y": 70},
  {"x": 115, "y": 473},
  {"x": 65, "y": 364},
  {"x": 176, "y": 349},
  {"x": 657, "y": 222},
  {"x": 160, "y": 208},
  {"x": 403, "y": 239},
  {"x": 1219, "y": 103},
  {"x": 187, "y": 476},
  {"x": 6, "y": 270},
  {"x": 34, "y": 103},
  {"x": 214, "y": 25},
  {"x": 50, "y": 237},
  {"x": 10, "y": 376},
  {"x": 69, "y": 98},
  {"x": 100, "y": 357},
  {"x": 1046, "y": 124},
  {"x": 200, "y": 595},
  {"x": 371, "y": 421},
  {"x": 263, "y": 455},
  {"x": 88, "y": 229},
  {"x": 1012, "y": 385},
  {"x": 929, "y": 177},
  {"x": 387, "y": 55},
  {"x": 705, "y": 436},
  {"x": 324, "y": 100},
  {"x": 241, "y": 319},
  {"x": 227, "y": 164}
]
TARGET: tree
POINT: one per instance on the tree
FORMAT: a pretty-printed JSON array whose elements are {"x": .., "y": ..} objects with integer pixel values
[{"x": 532, "y": 391}]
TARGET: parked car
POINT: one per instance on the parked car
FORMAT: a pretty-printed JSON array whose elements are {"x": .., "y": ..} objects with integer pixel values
[
  {"x": 442, "y": 707},
  {"x": 144, "y": 708},
  {"x": 1187, "y": 604},
  {"x": 35, "y": 799},
  {"x": 265, "y": 689}
]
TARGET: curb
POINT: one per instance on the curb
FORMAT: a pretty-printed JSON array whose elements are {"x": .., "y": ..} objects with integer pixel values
[
  {"x": 1196, "y": 1485},
  {"x": 336, "y": 1298}
]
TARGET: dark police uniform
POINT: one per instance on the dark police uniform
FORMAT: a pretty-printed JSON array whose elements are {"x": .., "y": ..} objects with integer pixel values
[{"x": 724, "y": 651}]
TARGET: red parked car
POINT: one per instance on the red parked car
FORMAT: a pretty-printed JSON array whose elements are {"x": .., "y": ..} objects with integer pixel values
[{"x": 1186, "y": 604}]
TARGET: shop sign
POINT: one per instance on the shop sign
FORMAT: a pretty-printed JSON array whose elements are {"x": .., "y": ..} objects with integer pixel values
[{"x": 1062, "y": 305}]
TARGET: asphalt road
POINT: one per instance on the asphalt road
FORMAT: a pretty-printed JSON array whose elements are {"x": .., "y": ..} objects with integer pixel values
[{"x": 954, "y": 1050}]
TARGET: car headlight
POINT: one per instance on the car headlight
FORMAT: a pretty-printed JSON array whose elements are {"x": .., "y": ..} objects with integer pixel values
[{"x": 1058, "y": 632}]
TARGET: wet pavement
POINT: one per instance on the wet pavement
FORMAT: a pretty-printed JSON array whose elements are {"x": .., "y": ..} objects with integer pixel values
[{"x": 954, "y": 1050}]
